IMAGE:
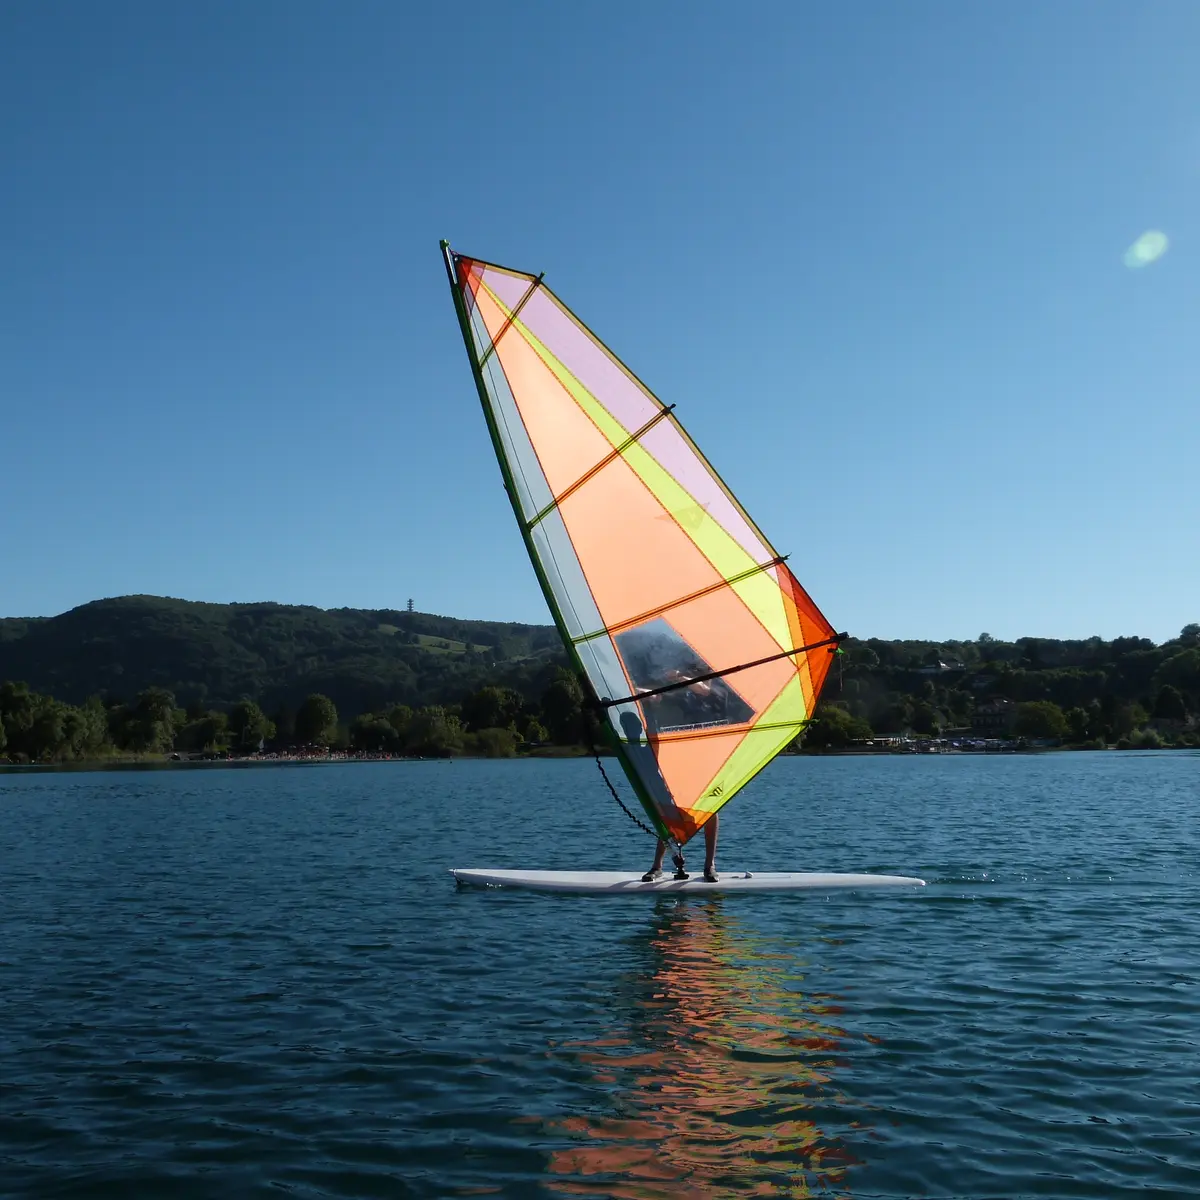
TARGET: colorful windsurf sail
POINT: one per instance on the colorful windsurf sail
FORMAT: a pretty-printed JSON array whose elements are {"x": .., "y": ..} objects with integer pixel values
[{"x": 705, "y": 655}]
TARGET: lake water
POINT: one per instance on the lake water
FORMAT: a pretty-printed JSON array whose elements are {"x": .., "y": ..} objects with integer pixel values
[{"x": 252, "y": 982}]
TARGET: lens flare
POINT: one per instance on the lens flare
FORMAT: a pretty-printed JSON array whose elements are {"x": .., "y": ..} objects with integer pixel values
[{"x": 1150, "y": 247}]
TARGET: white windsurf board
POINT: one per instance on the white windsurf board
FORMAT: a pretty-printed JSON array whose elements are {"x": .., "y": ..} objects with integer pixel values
[{"x": 623, "y": 882}]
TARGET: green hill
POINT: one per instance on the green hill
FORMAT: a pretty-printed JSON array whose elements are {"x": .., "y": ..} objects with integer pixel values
[
  {"x": 212, "y": 655},
  {"x": 143, "y": 654}
]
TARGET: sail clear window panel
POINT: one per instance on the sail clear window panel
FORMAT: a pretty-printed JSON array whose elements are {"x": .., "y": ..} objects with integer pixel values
[
  {"x": 533, "y": 491},
  {"x": 769, "y": 694},
  {"x": 603, "y": 668},
  {"x": 657, "y": 656},
  {"x": 571, "y": 591},
  {"x": 716, "y": 629}
]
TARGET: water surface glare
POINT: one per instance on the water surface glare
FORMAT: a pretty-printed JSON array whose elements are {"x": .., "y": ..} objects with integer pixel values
[{"x": 245, "y": 982}]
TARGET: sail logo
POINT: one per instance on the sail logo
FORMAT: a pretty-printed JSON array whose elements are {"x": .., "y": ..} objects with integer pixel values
[{"x": 690, "y": 518}]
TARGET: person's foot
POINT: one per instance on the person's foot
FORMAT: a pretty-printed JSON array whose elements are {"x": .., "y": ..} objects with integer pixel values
[
  {"x": 652, "y": 876},
  {"x": 710, "y": 875}
]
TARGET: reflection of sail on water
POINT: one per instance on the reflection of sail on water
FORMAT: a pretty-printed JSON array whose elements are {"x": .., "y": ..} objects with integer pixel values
[
  {"x": 717, "y": 1074},
  {"x": 703, "y": 651}
]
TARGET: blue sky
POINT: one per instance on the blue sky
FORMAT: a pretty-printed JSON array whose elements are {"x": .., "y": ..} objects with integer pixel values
[{"x": 873, "y": 253}]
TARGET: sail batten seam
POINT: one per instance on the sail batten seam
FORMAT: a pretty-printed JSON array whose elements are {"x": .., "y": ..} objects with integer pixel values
[
  {"x": 512, "y": 316},
  {"x": 592, "y": 472},
  {"x": 699, "y": 594}
]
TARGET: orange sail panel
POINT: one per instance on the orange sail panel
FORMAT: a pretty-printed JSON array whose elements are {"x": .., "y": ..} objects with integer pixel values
[{"x": 705, "y": 653}]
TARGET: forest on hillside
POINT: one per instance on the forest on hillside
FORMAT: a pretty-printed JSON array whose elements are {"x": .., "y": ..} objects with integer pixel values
[
  {"x": 276, "y": 654},
  {"x": 145, "y": 675},
  {"x": 1088, "y": 691}
]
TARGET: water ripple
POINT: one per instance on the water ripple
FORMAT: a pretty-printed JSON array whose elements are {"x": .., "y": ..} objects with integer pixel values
[{"x": 247, "y": 983}]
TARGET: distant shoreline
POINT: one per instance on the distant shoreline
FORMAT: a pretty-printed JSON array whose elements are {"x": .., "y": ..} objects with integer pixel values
[
  {"x": 175, "y": 762},
  {"x": 166, "y": 763}
]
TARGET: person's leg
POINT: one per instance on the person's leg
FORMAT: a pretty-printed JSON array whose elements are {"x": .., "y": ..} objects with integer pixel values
[
  {"x": 659, "y": 853},
  {"x": 710, "y": 843}
]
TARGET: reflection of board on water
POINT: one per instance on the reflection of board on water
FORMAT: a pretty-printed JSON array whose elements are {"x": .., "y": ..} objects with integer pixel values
[
  {"x": 655, "y": 656},
  {"x": 715, "y": 1073}
]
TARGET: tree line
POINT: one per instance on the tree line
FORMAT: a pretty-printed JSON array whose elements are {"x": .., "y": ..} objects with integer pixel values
[
  {"x": 1090, "y": 692},
  {"x": 215, "y": 655},
  {"x": 495, "y": 721},
  {"x": 1125, "y": 692}
]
